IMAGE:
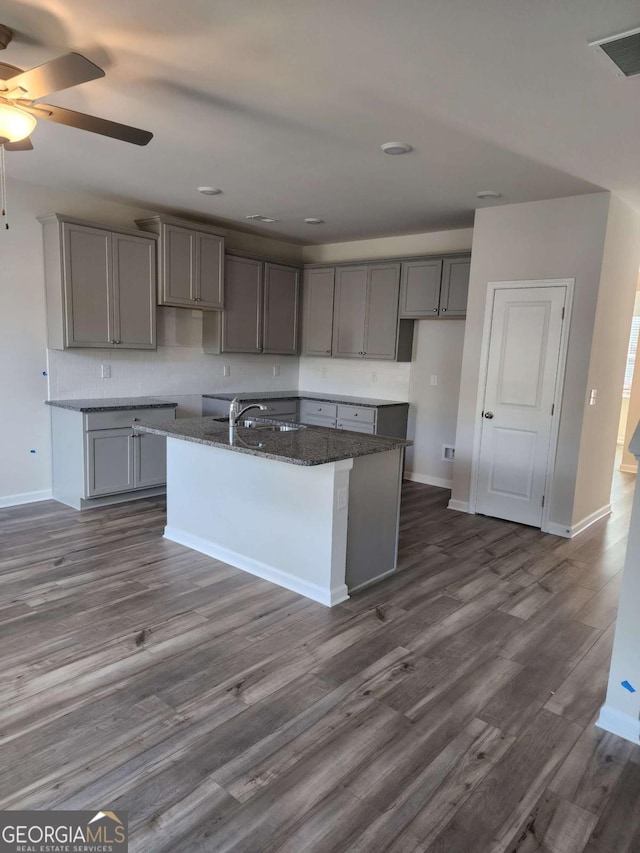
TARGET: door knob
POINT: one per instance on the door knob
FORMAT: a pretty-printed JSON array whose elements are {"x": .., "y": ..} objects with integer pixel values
[{"x": 488, "y": 415}]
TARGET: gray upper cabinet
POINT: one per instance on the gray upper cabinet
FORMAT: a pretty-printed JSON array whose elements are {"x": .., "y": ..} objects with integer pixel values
[
  {"x": 350, "y": 311},
  {"x": 241, "y": 319},
  {"x": 100, "y": 286},
  {"x": 434, "y": 287},
  {"x": 191, "y": 259},
  {"x": 280, "y": 309},
  {"x": 261, "y": 309},
  {"x": 381, "y": 324},
  {"x": 455, "y": 287},
  {"x": 134, "y": 287},
  {"x": 317, "y": 305},
  {"x": 365, "y": 320},
  {"x": 420, "y": 288}
]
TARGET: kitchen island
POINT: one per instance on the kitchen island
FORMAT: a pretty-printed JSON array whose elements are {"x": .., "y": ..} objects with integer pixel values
[{"x": 314, "y": 510}]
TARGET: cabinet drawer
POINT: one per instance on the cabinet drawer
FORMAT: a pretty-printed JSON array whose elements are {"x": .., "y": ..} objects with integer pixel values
[
  {"x": 317, "y": 409},
  {"x": 317, "y": 420},
  {"x": 356, "y": 413},
  {"x": 356, "y": 426},
  {"x": 275, "y": 408},
  {"x": 126, "y": 417}
]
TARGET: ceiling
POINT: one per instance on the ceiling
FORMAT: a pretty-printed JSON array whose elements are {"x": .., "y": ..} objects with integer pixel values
[{"x": 284, "y": 104}]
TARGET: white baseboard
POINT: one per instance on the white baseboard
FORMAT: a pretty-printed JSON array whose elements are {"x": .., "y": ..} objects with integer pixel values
[
  {"x": 328, "y": 597},
  {"x": 588, "y": 520},
  {"x": 427, "y": 480},
  {"x": 623, "y": 725},
  {"x": 25, "y": 498},
  {"x": 629, "y": 469},
  {"x": 575, "y": 529},
  {"x": 460, "y": 506}
]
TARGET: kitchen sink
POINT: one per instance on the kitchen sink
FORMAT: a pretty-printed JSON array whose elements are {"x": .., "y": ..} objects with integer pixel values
[{"x": 264, "y": 425}]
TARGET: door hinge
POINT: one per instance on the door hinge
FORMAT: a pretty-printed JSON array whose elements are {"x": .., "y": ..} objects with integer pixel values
[
  {"x": 563, "y": 312},
  {"x": 543, "y": 500},
  {"x": 553, "y": 408}
]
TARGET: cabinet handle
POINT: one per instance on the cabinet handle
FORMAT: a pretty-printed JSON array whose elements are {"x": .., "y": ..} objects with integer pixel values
[
  {"x": 444, "y": 310},
  {"x": 328, "y": 352},
  {"x": 435, "y": 310}
]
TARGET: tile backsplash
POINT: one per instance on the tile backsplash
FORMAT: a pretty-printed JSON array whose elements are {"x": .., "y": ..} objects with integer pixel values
[{"x": 385, "y": 380}]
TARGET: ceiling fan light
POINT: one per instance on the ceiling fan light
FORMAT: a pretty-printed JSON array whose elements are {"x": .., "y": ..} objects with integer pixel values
[{"x": 15, "y": 124}]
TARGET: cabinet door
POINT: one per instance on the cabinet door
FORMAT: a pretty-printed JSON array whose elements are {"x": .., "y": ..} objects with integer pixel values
[
  {"x": 350, "y": 310},
  {"x": 134, "y": 288},
  {"x": 455, "y": 287},
  {"x": 381, "y": 330},
  {"x": 177, "y": 285},
  {"x": 209, "y": 270},
  {"x": 242, "y": 315},
  {"x": 317, "y": 306},
  {"x": 280, "y": 310},
  {"x": 420, "y": 288},
  {"x": 109, "y": 461},
  {"x": 88, "y": 290},
  {"x": 149, "y": 460}
]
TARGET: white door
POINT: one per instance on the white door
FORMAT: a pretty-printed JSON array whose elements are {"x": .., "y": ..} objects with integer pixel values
[{"x": 517, "y": 418}]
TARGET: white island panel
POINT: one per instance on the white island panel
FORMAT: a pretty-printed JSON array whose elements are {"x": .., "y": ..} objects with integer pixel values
[{"x": 285, "y": 523}]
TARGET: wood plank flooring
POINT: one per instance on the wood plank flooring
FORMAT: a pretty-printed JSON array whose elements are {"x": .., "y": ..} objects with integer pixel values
[{"x": 450, "y": 708}]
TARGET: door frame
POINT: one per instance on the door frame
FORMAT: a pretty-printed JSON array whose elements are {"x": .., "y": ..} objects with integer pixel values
[{"x": 492, "y": 288}]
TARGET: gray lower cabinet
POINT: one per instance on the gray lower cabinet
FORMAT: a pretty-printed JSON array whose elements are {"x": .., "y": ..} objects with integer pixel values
[
  {"x": 100, "y": 286},
  {"x": 434, "y": 287},
  {"x": 317, "y": 304},
  {"x": 190, "y": 261},
  {"x": 374, "y": 420},
  {"x": 98, "y": 457},
  {"x": 261, "y": 309}
]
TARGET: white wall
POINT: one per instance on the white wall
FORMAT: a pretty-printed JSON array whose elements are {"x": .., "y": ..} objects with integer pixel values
[
  {"x": 177, "y": 367},
  {"x": 608, "y": 360},
  {"x": 437, "y": 350},
  {"x": 561, "y": 238}
]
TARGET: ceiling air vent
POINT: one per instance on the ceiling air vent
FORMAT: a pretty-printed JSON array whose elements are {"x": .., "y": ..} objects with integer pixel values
[{"x": 623, "y": 50}]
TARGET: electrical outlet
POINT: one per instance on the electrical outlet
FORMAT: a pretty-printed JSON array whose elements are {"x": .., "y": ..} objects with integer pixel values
[
  {"x": 434, "y": 380},
  {"x": 226, "y": 370},
  {"x": 374, "y": 377},
  {"x": 592, "y": 397},
  {"x": 324, "y": 372},
  {"x": 448, "y": 452},
  {"x": 276, "y": 370},
  {"x": 343, "y": 498},
  {"x": 106, "y": 371}
]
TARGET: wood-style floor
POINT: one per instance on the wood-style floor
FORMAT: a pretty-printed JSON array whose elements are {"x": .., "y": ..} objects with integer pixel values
[{"x": 449, "y": 709}]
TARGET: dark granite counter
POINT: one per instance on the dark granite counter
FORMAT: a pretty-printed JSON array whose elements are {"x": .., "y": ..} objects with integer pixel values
[
  {"x": 308, "y": 445},
  {"x": 254, "y": 396},
  {"x": 112, "y": 404}
]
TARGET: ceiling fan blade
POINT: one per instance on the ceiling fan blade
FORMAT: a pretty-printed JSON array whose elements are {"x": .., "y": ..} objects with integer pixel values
[
  {"x": 82, "y": 121},
  {"x": 60, "y": 73},
  {"x": 23, "y": 145}
]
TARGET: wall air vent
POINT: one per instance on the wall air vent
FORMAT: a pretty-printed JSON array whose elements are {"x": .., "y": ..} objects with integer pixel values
[{"x": 623, "y": 50}]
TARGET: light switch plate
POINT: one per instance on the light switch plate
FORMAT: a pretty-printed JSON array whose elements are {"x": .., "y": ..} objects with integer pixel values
[
  {"x": 343, "y": 498},
  {"x": 226, "y": 370},
  {"x": 106, "y": 371}
]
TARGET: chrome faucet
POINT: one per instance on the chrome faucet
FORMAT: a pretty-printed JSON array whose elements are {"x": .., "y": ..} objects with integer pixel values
[{"x": 235, "y": 413}]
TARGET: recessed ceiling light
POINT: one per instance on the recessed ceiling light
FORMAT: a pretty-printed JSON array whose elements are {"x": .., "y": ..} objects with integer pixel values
[
  {"x": 396, "y": 148},
  {"x": 488, "y": 194},
  {"x": 313, "y": 220},
  {"x": 209, "y": 190},
  {"x": 258, "y": 217}
]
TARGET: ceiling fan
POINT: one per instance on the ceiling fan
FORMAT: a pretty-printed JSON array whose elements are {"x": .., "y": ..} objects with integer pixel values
[{"x": 20, "y": 92}]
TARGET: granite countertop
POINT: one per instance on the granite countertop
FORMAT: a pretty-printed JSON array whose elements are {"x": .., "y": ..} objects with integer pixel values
[
  {"x": 251, "y": 396},
  {"x": 113, "y": 403},
  {"x": 308, "y": 445}
]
